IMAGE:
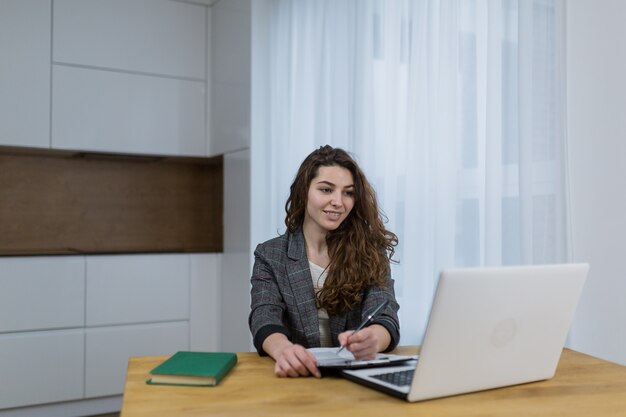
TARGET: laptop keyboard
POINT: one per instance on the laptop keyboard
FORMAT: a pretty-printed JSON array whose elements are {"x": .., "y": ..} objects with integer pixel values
[{"x": 399, "y": 378}]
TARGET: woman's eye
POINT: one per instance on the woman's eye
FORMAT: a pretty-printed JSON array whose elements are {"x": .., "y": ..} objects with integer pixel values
[{"x": 325, "y": 190}]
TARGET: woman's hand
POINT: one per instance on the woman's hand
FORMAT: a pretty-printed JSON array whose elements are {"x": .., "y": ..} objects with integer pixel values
[
  {"x": 294, "y": 361},
  {"x": 291, "y": 360},
  {"x": 367, "y": 342}
]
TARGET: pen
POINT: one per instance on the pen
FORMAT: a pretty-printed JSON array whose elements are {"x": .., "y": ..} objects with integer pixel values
[{"x": 368, "y": 320}]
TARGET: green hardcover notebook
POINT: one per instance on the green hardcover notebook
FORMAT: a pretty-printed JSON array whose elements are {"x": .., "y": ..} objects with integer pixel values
[{"x": 193, "y": 368}]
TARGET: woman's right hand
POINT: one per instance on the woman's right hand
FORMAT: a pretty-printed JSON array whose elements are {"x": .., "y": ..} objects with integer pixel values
[
  {"x": 291, "y": 360},
  {"x": 294, "y": 361}
]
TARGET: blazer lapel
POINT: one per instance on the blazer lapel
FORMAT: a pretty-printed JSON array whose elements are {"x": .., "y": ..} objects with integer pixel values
[{"x": 299, "y": 275}]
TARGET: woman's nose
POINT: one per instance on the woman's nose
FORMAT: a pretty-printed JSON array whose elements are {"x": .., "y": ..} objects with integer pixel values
[{"x": 336, "y": 200}]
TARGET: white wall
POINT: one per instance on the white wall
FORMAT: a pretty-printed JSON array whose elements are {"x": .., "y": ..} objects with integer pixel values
[{"x": 596, "y": 65}]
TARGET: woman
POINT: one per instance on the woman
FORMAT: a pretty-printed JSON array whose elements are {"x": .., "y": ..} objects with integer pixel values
[{"x": 327, "y": 273}]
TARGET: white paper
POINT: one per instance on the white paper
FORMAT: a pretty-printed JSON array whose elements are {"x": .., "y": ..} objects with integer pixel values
[{"x": 328, "y": 357}]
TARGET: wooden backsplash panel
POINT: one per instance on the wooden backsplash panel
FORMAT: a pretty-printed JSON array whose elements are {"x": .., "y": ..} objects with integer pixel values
[{"x": 63, "y": 203}]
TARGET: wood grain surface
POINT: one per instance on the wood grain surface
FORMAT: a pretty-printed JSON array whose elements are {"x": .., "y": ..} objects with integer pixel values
[
  {"x": 583, "y": 386},
  {"x": 75, "y": 203}
]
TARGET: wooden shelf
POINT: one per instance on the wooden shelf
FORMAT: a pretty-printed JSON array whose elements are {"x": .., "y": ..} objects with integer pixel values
[{"x": 57, "y": 202}]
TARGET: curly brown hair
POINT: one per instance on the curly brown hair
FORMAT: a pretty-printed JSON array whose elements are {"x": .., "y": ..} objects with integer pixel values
[{"x": 360, "y": 249}]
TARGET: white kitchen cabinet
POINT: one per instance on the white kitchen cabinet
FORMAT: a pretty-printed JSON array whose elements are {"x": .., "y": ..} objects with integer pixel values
[
  {"x": 107, "y": 111},
  {"x": 205, "y": 302},
  {"x": 68, "y": 324},
  {"x": 231, "y": 43},
  {"x": 130, "y": 77},
  {"x": 150, "y": 36},
  {"x": 137, "y": 289},
  {"x": 118, "y": 76},
  {"x": 108, "y": 350},
  {"x": 231, "y": 118},
  {"x": 40, "y": 293},
  {"x": 41, "y": 367},
  {"x": 230, "y": 77},
  {"x": 25, "y": 73}
]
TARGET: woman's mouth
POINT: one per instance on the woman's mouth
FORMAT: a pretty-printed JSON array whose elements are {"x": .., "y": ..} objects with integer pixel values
[{"x": 333, "y": 215}]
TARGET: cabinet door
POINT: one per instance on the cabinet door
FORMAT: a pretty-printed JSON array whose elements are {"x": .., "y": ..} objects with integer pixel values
[
  {"x": 231, "y": 77},
  {"x": 108, "y": 350},
  {"x": 25, "y": 73},
  {"x": 205, "y": 302},
  {"x": 128, "y": 289},
  {"x": 40, "y": 293},
  {"x": 154, "y": 37},
  {"x": 41, "y": 367},
  {"x": 230, "y": 123},
  {"x": 109, "y": 111}
]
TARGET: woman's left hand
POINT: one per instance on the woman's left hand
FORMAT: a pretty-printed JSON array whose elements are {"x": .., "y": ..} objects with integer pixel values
[{"x": 367, "y": 342}]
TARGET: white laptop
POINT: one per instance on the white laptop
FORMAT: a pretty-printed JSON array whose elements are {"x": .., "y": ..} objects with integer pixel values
[{"x": 488, "y": 328}]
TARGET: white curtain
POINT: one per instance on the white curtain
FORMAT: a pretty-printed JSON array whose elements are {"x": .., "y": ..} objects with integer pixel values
[{"x": 454, "y": 109}]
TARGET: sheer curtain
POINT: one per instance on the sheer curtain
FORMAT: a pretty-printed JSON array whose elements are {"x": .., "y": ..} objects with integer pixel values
[{"x": 454, "y": 109}]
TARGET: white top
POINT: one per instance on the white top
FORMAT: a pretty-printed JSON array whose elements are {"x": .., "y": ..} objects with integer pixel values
[{"x": 318, "y": 275}]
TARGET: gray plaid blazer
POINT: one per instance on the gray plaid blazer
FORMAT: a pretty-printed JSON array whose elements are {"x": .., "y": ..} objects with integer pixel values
[{"x": 283, "y": 298}]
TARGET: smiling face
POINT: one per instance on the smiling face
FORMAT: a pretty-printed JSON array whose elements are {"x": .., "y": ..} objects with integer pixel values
[{"x": 330, "y": 199}]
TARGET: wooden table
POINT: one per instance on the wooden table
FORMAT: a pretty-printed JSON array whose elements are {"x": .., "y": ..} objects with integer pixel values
[{"x": 583, "y": 386}]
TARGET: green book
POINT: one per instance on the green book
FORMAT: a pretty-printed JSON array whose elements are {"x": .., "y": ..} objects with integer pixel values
[{"x": 193, "y": 368}]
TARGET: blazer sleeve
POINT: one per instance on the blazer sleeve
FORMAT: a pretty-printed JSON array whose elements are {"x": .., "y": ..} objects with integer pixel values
[
  {"x": 267, "y": 307},
  {"x": 374, "y": 297}
]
